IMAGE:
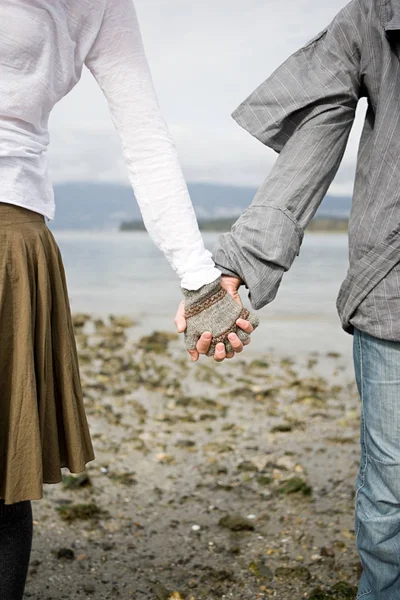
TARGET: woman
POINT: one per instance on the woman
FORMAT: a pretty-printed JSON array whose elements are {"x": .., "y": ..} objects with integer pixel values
[{"x": 43, "y": 427}]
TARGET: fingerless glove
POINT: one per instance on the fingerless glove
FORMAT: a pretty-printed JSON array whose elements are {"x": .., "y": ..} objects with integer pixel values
[{"x": 213, "y": 309}]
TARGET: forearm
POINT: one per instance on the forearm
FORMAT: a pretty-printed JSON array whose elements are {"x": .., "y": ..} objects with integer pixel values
[
  {"x": 118, "y": 62},
  {"x": 165, "y": 204},
  {"x": 267, "y": 237}
]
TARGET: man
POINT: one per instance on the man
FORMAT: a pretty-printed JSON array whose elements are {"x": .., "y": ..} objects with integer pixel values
[{"x": 305, "y": 111}]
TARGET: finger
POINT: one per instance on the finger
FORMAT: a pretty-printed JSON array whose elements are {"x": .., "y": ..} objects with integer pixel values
[
  {"x": 203, "y": 344},
  {"x": 220, "y": 352},
  {"x": 194, "y": 355},
  {"x": 228, "y": 348},
  {"x": 245, "y": 325},
  {"x": 255, "y": 321},
  {"x": 180, "y": 320},
  {"x": 235, "y": 342},
  {"x": 243, "y": 337}
]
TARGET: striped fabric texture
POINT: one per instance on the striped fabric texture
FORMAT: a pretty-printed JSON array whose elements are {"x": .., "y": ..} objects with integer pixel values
[{"x": 305, "y": 111}]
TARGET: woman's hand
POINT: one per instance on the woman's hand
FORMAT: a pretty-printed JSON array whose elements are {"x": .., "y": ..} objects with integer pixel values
[{"x": 231, "y": 285}]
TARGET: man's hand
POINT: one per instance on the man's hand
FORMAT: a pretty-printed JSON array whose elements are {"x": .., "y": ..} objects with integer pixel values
[{"x": 232, "y": 285}]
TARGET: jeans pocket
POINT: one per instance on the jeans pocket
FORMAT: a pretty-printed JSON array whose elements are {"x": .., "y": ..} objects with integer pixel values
[{"x": 363, "y": 593}]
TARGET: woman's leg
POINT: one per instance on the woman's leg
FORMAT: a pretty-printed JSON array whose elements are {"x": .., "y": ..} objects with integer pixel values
[
  {"x": 16, "y": 530},
  {"x": 377, "y": 366}
]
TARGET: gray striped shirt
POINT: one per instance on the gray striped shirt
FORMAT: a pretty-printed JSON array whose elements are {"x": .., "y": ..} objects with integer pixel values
[{"x": 305, "y": 111}]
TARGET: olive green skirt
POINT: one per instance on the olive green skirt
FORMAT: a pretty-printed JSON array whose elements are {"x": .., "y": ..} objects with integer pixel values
[{"x": 43, "y": 425}]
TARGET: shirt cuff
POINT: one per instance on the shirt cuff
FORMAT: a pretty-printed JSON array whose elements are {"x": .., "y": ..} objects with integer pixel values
[
  {"x": 260, "y": 248},
  {"x": 263, "y": 285},
  {"x": 196, "y": 280}
]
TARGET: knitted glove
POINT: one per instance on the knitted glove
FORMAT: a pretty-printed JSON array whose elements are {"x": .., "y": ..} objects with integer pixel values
[{"x": 212, "y": 309}]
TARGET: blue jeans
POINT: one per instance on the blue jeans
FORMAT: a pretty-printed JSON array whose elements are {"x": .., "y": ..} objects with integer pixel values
[{"x": 377, "y": 518}]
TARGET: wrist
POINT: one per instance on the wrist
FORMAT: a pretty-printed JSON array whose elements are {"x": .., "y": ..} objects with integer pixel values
[
  {"x": 232, "y": 278},
  {"x": 203, "y": 293}
]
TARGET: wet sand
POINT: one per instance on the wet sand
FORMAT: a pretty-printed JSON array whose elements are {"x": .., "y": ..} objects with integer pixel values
[{"x": 210, "y": 481}]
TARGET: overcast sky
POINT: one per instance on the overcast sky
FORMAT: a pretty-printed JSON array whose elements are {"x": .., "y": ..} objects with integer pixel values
[{"x": 205, "y": 57}]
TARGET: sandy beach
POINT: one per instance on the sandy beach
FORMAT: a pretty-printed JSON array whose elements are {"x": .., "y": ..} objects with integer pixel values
[{"x": 210, "y": 481}]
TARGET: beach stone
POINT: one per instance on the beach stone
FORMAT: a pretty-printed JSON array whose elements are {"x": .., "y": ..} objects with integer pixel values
[
  {"x": 67, "y": 553},
  {"x": 80, "y": 511},
  {"x": 161, "y": 592},
  {"x": 80, "y": 319},
  {"x": 344, "y": 591},
  {"x": 217, "y": 575},
  {"x": 219, "y": 447},
  {"x": 236, "y": 523},
  {"x": 261, "y": 461},
  {"x": 301, "y": 573},
  {"x": 283, "y": 428},
  {"x": 107, "y": 546},
  {"x": 247, "y": 467},
  {"x": 89, "y": 588},
  {"x": 260, "y": 570},
  {"x": 207, "y": 417},
  {"x": 294, "y": 485},
  {"x": 216, "y": 469},
  {"x": 264, "y": 479},
  {"x": 157, "y": 342},
  {"x": 122, "y": 321},
  {"x": 185, "y": 443},
  {"x": 327, "y": 551},
  {"x": 72, "y": 482},
  {"x": 319, "y": 594},
  {"x": 259, "y": 364},
  {"x": 286, "y": 463},
  {"x": 124, "y": 478}
]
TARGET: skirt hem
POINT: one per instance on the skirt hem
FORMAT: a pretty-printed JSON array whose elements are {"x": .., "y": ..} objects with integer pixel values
[{"x": 74, "y": 470}]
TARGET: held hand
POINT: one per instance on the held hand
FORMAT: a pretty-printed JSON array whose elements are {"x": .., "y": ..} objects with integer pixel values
[{"x": 231, "y": 285}]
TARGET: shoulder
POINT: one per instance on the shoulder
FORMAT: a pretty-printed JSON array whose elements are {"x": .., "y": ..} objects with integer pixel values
[
  {"x": 350, "y": 30},
  {"x": 84, "y": 20},
  {"x": 85, "y": 12}
]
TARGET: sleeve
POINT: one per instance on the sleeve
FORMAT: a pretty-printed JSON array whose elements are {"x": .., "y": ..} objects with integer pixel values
[
  {"x": 304, "y": 111},
  {"x": 118, "y": 62}
]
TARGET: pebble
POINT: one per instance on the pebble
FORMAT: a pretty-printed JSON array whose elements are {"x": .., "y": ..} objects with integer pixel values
[
  {"x": 300, "y": 572},
  {"x": 261, "y": 570},
  {"x": 286, "y": 462},
  {"x": 247, "y": 466},
  {"x": 328, "y": 551},
  {"x": 236, "y": 523},
  {"x": 161, "y": 592},
  {"x": 67, "y": 553},
  {"x": 294, "y": 485}
]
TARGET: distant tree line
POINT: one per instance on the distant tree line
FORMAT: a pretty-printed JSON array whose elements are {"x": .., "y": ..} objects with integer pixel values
[{"x": 319, "y": 224}]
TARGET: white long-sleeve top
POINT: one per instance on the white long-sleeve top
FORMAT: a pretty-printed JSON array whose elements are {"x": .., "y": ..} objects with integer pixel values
[{"x": 44, "y": 45}]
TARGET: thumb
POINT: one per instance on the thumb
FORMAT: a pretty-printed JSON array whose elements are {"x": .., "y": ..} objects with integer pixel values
[
  {"x": 180, "y": 320},
  {"x": 232, "y": 285},
  {"x": 235, "y": 295},
  {"x": 194, "y": 355}
]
